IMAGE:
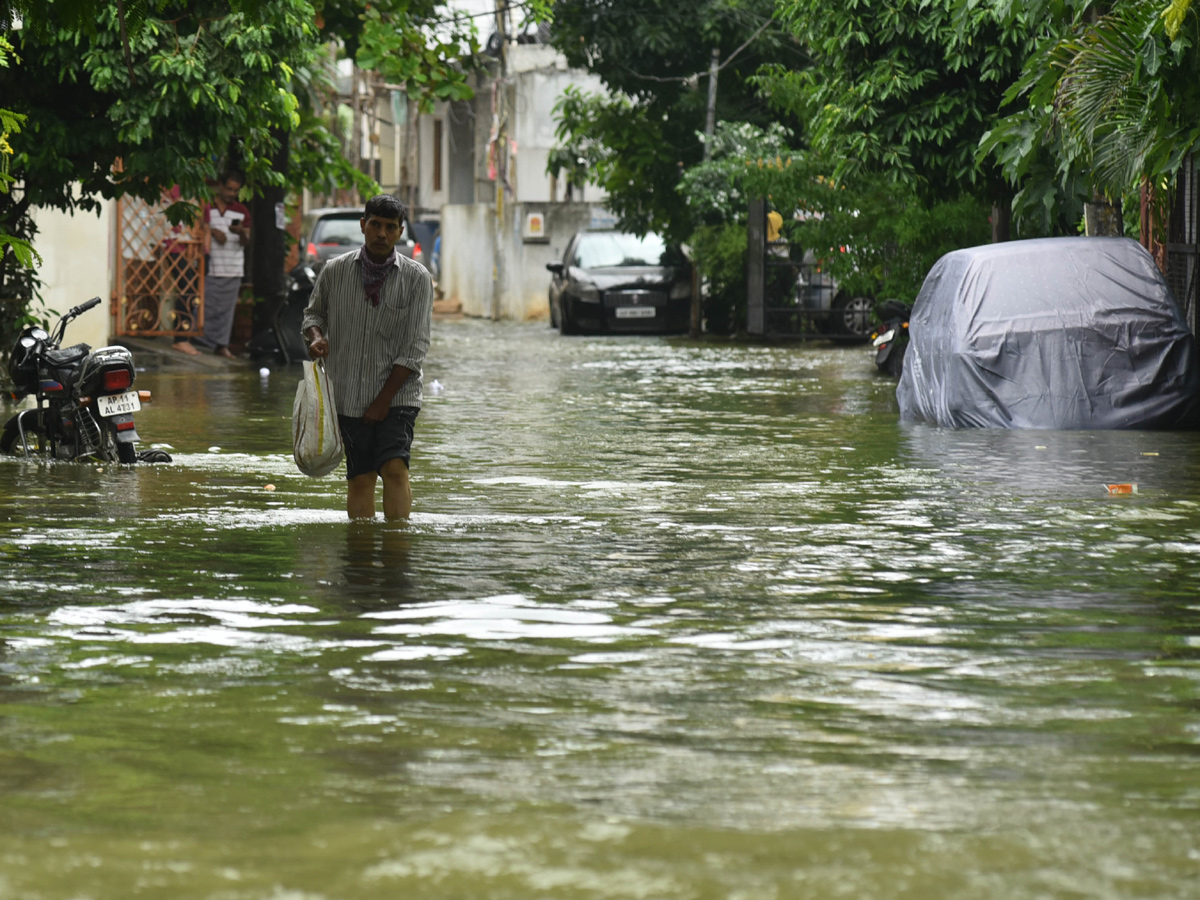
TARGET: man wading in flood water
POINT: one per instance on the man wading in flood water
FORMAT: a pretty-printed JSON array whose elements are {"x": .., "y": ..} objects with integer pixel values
[{"x": 369, "y": 317}]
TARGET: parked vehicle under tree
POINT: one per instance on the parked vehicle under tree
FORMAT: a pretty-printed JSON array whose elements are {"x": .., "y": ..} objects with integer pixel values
[{"x": 614, "y": 282}]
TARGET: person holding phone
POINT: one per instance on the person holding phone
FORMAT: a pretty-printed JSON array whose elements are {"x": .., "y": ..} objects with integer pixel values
[{"x": 227, "y": 232}]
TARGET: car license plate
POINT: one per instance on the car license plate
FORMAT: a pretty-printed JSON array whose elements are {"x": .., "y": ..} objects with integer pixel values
[
  {"x": 118, "y": 404},
  {"x": 635, "y": 312}
]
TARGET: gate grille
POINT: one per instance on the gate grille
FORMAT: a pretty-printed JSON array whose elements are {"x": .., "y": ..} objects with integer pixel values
[
  {"x": 160, "y": 272},
  {"x": 1183, "y": 240}
]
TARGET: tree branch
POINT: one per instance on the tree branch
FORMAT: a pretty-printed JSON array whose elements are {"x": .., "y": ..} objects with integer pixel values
[{"x": 125, "y": 41}]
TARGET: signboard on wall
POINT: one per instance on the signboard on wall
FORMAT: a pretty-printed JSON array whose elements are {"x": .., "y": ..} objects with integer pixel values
[{"x": 534, "y": 228}]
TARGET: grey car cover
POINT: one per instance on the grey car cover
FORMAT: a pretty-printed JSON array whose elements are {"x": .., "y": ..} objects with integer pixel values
[{"x": 1050, "y": 333}]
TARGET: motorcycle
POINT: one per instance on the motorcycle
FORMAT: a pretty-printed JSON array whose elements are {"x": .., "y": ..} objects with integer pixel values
[
  {"x": 282, "y": 342},
  {"x": 891, "y": 339},
  {"x": 84, "y": 403}
]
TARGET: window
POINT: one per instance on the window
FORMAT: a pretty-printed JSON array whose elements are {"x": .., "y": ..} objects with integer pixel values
[{"x": 598, "y": 250}]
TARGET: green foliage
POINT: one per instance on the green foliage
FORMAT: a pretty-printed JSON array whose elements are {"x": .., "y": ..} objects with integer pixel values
[
  {"x": 1110, "y": 101},
  {"x": 720, "y": 254},
  {"x": 719, "y": 189},
  {"x": 745, "y": 161},
  {"x": 903, "y": 90},
  {"x": 1051, "y": 187},
  {"x": 653, "y": 57},
  {"x": 176, "y": 91},
  {"x": 621, "y": 146},
  {"x": 167, "y": 100},
  {"x": 10, "y": 124},
  {"x": 401, "y": 43},
  {"x": 876, "y": 238}
]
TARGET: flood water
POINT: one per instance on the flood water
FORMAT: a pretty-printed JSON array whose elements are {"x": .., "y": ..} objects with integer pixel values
[{"x": 670, "y": 620}]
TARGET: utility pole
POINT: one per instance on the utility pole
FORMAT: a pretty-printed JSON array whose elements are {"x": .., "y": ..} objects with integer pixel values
[
  {"x": 710, "y": 128},
  {"x": 710, "y": 120},
  {"x": 356, "y": 133},
  {"x": 500, "y": 101}
]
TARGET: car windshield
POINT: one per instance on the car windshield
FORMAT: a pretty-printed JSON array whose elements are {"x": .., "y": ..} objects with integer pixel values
[
  {"x": 603, "y": 249},
  {"x": 338, "y": 231}
]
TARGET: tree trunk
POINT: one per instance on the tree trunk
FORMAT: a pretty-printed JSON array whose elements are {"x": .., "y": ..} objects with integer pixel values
[
  {"x": 1151, "y": 225},
  {"x": 1001, "y": 222},
  {"x": 268, "y": 247},
  {"x": 1103, "y": 219}
]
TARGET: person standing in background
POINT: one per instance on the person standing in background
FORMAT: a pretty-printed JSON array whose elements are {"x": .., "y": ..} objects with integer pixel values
[{"x": 227, "y": 229}]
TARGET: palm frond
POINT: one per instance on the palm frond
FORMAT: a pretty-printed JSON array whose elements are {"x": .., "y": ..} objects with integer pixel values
[{"x": 1109, "y": 100}]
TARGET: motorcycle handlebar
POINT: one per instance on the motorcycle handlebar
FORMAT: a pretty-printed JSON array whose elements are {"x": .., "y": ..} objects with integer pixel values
[
  {"x": 84, "y": 307},
  {"x": 56, "y": 336}
]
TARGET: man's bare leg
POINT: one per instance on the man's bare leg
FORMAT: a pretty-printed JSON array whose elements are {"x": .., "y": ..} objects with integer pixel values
[
  {"x": 397, "y": 492},
  {"x": 360, "y": 496}
]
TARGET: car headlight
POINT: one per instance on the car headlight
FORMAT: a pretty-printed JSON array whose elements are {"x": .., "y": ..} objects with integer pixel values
[
  {"x": 588, "y": 293},
  {"x": 681, "y": 290}
]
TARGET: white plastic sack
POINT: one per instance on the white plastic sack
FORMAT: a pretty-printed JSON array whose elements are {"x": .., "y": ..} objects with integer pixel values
[{"x": 316, "y": 438}]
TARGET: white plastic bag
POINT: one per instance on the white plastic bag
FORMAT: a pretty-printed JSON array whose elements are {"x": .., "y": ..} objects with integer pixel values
[{"x": 316, "y": 438}]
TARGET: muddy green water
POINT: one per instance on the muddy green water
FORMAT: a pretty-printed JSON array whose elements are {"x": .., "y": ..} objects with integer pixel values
[{"x": 670, "y": 620}]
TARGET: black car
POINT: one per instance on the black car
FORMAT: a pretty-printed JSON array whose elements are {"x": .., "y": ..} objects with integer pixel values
[{"x": 613, "y": 282}]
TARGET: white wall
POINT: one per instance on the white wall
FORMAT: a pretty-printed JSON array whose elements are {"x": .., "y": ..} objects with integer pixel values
[
  {"x": 468, "y": 268},
  {"x": 77, "y": 254},
  {"x": 468, "y": 256},
  {"x": 541, "y": 77}
]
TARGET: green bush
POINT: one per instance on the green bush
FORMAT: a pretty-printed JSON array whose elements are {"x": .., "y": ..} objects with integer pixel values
[{"x": 719, "y": 252}]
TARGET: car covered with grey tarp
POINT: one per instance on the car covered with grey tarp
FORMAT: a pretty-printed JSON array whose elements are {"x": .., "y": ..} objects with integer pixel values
[{"x": 1070, "y": 333}]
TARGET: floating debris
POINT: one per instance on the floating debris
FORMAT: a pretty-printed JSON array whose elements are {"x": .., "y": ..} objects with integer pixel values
[{"x": 1122, "y": 488}]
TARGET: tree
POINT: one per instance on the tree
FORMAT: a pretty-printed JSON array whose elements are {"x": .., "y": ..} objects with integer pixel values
[
  {"x": 166, "y": 94},
  {"x": 653, "y": 57},
  {"x": 176, "y": 90},
  {"x": 1110, "y": 103},
  {"x": 874, "y": 237},
  {"x": 10, "y": 125},
  {"x": 420, "y": 45},
  {"x": 905, "y": 90}
]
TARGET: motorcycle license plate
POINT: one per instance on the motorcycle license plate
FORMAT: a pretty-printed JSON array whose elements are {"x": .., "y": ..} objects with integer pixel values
[
  {"x": 118, "y": 404},
  {"x": 635, "y": 312},
  {"x": 885, "y": 337}
]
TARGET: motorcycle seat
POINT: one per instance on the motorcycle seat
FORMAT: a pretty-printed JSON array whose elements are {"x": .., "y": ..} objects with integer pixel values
[{"x": 67, "y": 356}]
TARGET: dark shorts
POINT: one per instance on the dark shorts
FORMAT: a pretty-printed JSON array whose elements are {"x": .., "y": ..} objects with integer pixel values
[{"x": 368, "y": 446}]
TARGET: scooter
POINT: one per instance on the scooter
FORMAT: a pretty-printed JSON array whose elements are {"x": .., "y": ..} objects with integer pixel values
[
  {"x": 84, "y": 403},
  {"x": 283, "y": 342},
  {"x": 891, "y": 339}
]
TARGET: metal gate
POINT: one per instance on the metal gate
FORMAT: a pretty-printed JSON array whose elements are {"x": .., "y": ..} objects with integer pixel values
[
  {"x": 160, "y": 272},
  {"x": 1183, "y": 240},
  {"x": 789, "y": 294}
]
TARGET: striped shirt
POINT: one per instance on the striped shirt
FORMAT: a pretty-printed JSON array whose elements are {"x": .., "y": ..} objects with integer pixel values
[
  {"x": 366, "y": 341},
  {"x": 227, "y": 260}
]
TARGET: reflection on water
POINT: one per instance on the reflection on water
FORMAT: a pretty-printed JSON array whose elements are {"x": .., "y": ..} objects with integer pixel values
[
  {"x": 669, "y": 620},
  {"x": 375, "y": 562},
  {"x": 1057, "y": 463}
]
